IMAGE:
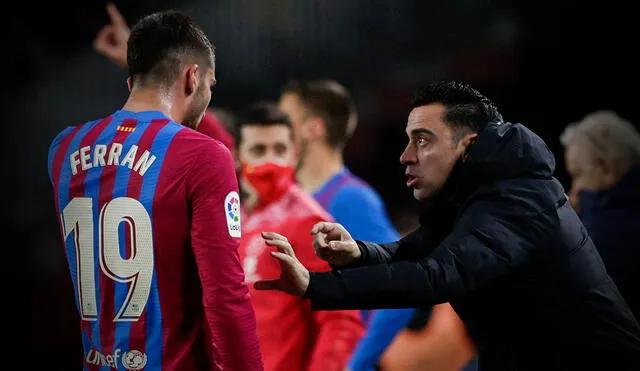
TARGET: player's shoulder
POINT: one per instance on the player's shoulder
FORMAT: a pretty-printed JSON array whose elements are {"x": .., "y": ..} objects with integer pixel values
[
  {"x": 62, "y": 134},
  {"x": 197, "y": 157},
  {"x": 195, "y": 142},
  {"x": 70, "y": 132},
  {"x": 306, "y": 207},
  {"x": 357, "y": 190}
]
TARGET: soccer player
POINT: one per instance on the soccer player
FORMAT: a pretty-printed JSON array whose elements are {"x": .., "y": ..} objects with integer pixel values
[
  {"x": 324, "y": 117},
  {"x": 292, "y": 337},
  {"x": 148, "y": 217}
]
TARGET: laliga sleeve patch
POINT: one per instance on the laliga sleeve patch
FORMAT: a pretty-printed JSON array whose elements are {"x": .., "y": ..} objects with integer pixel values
[{"x": 232, "y": 211}]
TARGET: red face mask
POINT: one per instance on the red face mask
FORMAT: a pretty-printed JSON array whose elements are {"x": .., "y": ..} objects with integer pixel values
[{"x": 270, "y": 180}]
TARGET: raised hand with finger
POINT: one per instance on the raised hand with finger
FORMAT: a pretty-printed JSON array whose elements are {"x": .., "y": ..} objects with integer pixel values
[{"x": 111, "y": 40}]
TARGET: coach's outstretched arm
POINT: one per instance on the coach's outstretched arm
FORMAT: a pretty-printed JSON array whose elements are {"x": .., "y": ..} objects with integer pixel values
[
  {"x": 333, "y": 243},
  {"x": 488, "y": 241}
]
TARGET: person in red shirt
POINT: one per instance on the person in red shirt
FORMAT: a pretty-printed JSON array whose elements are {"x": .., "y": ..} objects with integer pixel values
[{"x": 292, "y": 337}]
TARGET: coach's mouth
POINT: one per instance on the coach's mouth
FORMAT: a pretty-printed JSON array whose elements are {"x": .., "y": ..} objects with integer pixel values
[{"x": 411, "y": 180}]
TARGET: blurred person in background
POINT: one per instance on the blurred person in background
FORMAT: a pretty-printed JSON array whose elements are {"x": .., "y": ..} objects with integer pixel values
[
  {"x": 227, "y": 121},
  {"x": 227, "y": 118},
  {"x": 324, "y": 117},
  {"x": 111, "y": 41},
  {"x": 143, "y": 200},
  {"x": 498, "y": 240},
  {"x": 292, "y": 337},
  {"x": 435, "y": 339},
  {"x": 602, "y": 154}
]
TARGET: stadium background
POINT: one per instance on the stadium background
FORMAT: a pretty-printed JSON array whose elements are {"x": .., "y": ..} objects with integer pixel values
[{"x": 544, "y": 63}]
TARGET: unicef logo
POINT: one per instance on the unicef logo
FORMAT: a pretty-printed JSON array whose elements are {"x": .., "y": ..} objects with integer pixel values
[
  {"x": 233, "y": 209},
  {"x": 134, "y": 360}
]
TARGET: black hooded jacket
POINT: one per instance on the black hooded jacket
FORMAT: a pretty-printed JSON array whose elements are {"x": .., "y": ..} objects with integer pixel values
[{"x": 503, "y": 246}]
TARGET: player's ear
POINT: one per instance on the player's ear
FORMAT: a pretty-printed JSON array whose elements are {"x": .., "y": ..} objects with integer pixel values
[
  {"x": 130, "y": 83},
  {"x": 191, "y": 79},
  {"x": 316, "y": 128}
]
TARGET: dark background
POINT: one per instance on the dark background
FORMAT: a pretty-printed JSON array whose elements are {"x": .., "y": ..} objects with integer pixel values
[{"x": 544, "y": 63}]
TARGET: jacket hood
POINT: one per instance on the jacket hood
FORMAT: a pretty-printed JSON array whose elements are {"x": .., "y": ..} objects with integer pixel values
[
  {"x": 502, "y": 151},
  {"x": 505, "y": 151}
]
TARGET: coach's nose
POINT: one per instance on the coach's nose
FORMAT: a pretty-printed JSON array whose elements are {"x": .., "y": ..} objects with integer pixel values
[{"x": 408, "y": 156}]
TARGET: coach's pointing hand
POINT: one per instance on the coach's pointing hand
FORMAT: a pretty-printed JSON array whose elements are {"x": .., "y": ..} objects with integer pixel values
[
  {"x": 294, "y": 278},
  {"x": 334, "y": 244}
]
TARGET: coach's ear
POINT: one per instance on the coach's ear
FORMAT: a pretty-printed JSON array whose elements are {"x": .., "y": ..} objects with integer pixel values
[{"x": 129, "y": 83}]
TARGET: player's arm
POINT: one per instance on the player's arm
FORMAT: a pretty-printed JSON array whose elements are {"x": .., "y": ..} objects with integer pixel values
[
  {"x": 337, "y": 331},
  {"x": 215, "y": 241},
  {"x": 53, "y": 148},
  {"x": 492, "y": 238}
]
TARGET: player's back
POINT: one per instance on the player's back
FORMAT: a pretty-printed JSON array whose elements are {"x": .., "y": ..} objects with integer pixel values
[{"x": 123, "y": 188}]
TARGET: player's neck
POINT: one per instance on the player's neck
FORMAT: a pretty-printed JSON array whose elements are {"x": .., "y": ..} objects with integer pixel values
[
  {"x": 319, "y": 165},
  {"x": 141, "y": 100}
]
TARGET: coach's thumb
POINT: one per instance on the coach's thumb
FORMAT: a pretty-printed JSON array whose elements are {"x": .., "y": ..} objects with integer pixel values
[{"x": 266, "y": 285}]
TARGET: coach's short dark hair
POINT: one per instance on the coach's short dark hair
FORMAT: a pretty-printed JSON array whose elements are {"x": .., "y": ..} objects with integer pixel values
[
  {"x": 330, "y": 101},
  {"x": 261, "y": 113},
  {"x": 161, "y": 42},
  {"x": 466, "y": 107}
]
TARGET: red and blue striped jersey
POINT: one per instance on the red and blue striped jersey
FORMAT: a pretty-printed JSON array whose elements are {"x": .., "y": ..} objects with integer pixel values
[{"x": 150, "y": 221}]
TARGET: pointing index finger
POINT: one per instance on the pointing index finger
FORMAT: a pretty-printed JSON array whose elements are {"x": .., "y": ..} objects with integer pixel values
[
  {"x": 115, "y": 16},
  {"x": 322, "y": 227}
]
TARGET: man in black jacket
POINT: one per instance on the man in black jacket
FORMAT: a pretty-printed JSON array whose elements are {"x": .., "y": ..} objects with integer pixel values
[{"x": 498, "y": 240}]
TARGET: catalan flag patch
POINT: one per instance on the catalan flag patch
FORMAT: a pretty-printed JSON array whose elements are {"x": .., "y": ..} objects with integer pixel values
[{"x": 126, "y": 129}]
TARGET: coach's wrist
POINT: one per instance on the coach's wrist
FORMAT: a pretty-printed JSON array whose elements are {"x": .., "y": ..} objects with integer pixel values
[{"x": 309, "y": 291}]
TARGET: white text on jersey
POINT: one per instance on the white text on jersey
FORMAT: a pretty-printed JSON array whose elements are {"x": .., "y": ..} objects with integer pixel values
[{"x": 103, "y": 155}]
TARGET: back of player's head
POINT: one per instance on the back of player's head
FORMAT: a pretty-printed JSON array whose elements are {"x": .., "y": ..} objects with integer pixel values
[
  {"x": 261, "y": 113},
  {"x": 466, "y": 107},
  {"x": 330, "y": 101},
  {"x": 161, "y": 43}
]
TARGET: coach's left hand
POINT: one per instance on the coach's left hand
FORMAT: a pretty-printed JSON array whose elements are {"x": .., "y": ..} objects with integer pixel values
[{"x": 294, "y": 278}]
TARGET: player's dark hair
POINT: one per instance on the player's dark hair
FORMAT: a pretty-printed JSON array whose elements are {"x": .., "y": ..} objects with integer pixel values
[
  {"x": 161, "y": 42},
  {"x": 261, "y": 113},
  {"x": 466, "y": 108},
  {"x": 330, "y": 101}
]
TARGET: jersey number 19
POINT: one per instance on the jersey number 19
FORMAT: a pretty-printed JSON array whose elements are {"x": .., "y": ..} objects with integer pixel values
[{"x": 77, "y": 217}]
